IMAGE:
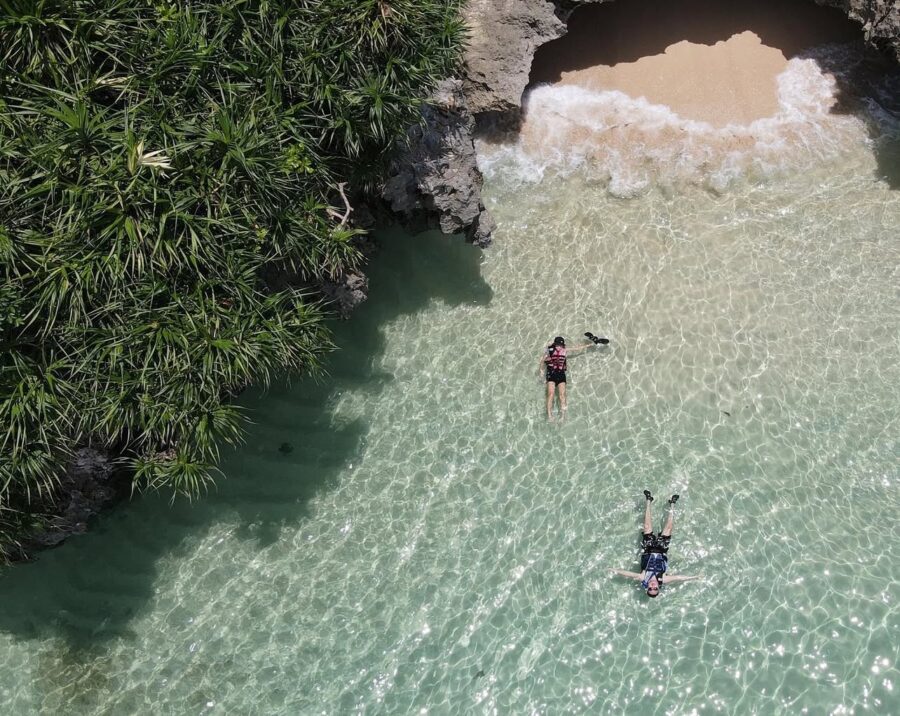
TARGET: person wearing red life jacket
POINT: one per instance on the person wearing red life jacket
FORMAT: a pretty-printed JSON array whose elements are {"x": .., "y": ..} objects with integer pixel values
[{"x": 554, "y": 365}]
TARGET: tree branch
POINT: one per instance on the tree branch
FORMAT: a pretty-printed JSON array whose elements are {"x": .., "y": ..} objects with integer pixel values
[{"x": 334, "y": 213}]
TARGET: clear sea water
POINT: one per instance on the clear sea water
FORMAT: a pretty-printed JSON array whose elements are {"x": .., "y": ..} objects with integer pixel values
[{"x": 412, "y": 536}]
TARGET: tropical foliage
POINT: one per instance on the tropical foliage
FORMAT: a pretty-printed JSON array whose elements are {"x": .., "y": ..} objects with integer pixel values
[{"x": 158, "y": 160}]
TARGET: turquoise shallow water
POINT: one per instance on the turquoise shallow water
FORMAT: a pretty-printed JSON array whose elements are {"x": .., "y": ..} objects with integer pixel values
[{"x": 412, "y": 536}]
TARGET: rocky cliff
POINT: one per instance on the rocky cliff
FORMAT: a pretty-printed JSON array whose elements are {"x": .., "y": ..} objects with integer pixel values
[
  {"x": 435, "y": 180},
  {"x": 87, "y": 487},
  {"x": 879, "y": 19}
]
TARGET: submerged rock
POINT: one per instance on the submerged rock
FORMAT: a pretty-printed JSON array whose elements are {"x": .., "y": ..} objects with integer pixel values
[
  {"x": 84, "y": 490},
  {"x": 346, "y": 293}
]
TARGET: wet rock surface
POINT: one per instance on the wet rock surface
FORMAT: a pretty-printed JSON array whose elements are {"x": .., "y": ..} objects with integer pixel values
[
  {"x": 435, "y": 181},
  {"x": 346, "y": 293},
  {"x": 89, "y": 485}
]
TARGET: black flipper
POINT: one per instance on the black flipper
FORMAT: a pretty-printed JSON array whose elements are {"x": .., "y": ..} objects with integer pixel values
[
  {"x": 599, "y": 341},
  {"x": 648, "y": 495},
  {"x": 673, "y": 499}
]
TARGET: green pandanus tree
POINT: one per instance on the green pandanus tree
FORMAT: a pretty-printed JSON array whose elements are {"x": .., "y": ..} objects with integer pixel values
[{"x": 157, "y": 160}]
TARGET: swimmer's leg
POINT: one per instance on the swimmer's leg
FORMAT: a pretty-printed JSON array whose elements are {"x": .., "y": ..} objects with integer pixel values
[
  {"x": 563, "y": 406},
  {"x": 551, "y": 392},
  {"x": 670, "y": 520},
  {"x": 648, "y": 519}
]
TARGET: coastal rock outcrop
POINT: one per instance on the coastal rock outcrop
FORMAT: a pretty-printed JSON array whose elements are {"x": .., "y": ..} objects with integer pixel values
[
  {"x": 880, "y": 21},
  {"x": 504, "y": 35},
  {"x": 347, "y": 292},
  {"x": 84, "y": 490},
  {"x": 436, "y": 177}
]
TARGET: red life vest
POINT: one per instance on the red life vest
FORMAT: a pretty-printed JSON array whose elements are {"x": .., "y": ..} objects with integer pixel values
[{"x": 557, "y": 359}]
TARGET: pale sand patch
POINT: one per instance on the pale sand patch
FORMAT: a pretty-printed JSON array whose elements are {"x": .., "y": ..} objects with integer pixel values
[
  {"x": 731, "y": 82},
  {"x": 707, "y": 60}
]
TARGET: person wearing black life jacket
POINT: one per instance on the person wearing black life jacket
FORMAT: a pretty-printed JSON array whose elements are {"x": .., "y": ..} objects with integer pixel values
[
  {"x": 655, "y": 550},
  {"x": 554, "y": 365}
]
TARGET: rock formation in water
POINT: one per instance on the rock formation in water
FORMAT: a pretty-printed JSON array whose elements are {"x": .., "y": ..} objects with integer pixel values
[
  {"x": 346, "y": 293},
  {"x": 436, "y": 176},
  {"x": 880, "y": 21},
  {"x": 85, "y": 489}
]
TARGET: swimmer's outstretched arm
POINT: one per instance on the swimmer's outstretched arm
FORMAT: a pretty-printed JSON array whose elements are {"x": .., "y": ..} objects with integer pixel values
[
  {"x": 630, "y": 575},
  {"x": 578, "y": 349},
  {"x": 678, "y": 578}
]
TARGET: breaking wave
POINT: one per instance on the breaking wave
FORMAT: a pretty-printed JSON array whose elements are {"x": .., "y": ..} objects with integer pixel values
[{"x": 631, "y": 145}]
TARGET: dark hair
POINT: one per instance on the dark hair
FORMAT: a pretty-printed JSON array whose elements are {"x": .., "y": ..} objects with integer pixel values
[
  {"x": 559, "y": 341},
  {"x": 654, "y": 596}
]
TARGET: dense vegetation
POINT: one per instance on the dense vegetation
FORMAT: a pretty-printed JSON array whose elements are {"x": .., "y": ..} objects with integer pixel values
[{"x": 158, "y": 160}]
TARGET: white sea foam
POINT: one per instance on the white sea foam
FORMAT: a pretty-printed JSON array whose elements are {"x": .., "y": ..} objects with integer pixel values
[{"x": 631, "y": 145}]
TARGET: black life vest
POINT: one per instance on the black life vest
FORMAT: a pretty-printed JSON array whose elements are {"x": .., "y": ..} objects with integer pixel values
[{"x": 656, "y": 565}]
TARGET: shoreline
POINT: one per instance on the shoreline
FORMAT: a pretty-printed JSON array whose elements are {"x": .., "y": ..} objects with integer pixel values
[{"x": 701, "y": 60}]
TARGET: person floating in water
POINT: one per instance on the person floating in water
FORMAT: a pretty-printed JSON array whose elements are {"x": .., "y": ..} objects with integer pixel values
[
  {"x": 654, "y": 560},
  {"x": 554, "y": 362}
]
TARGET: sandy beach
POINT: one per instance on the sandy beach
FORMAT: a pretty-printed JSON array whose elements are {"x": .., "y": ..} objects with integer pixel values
[{"x": 703, "y": 59}]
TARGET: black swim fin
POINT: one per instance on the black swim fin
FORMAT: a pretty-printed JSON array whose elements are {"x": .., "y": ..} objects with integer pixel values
[
  {"x": 599, "y": 341},
  {"x": 673, "y": 499},
  {"x": 648, "y": 495}
]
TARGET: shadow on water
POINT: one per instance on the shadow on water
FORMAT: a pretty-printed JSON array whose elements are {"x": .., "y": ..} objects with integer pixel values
[
  {"x": 89, "y": 590},
  {"x": 870, "y": 89},
  {"x": 624, "y": 31}
]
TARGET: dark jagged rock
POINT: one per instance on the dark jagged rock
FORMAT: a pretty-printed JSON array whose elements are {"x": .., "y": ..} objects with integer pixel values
[
  {"x": 351, "y": 288},
  {"x": 347, "y": 292},
  {"x": 85, "y": 489},
  {"x": 880, "y": 21},
  {"x": 436, "y": 180}
]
